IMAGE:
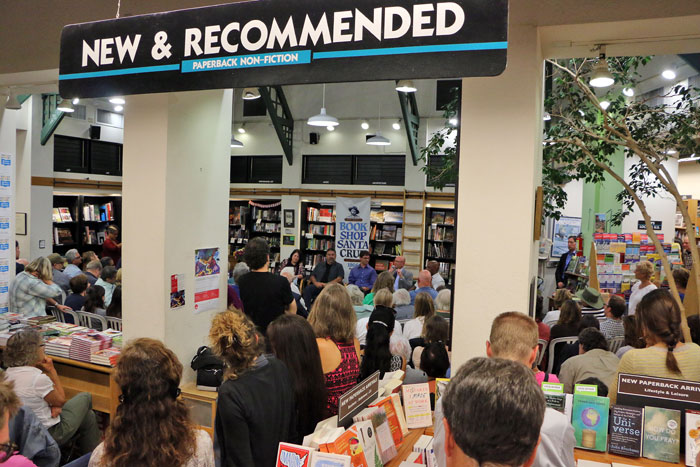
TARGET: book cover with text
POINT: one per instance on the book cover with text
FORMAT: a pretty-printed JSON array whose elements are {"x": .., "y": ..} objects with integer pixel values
[
  {"x": 626, "y": 430},
  {"x": 590, "y": 421},
  {"x": 662, "y": 434}
]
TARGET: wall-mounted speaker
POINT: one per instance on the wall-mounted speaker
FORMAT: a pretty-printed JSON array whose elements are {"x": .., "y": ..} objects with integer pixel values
[
  {"x": 314, "y": 138},
  {"x": 95, "y": 131}
]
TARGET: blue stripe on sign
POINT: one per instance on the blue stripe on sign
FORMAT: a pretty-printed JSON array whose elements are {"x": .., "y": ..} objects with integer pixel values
[
  {"x": 247, "y": 61},
  {"x": 124, "y": 71},
  {"x": 419, "y": 49}
]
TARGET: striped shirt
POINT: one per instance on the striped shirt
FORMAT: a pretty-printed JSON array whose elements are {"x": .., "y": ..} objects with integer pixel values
[
  {"x": 612, "y": 328},
  {"x": 652, "y": 362}
]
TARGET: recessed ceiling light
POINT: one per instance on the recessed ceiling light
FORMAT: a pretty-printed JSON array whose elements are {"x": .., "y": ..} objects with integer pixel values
[
  {"x": 117, "y": 100},
  {"x": 76, "y": 101},
  {"x": 241, "y": 130},
  {"x": 629, "y": 92},
  {"x": 406, "y": 85},
  {"x": 396, "y": 126},
  {"x": 669, "y": 74},
  {"x": 365, "y": 126},
  {"x": 605, "y": 105},
  {"x": 118, "y": 108}
]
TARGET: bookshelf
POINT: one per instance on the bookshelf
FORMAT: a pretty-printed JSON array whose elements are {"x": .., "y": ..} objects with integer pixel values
[
  {"x": 440, "y": 240},
  {"x": 248, "y": 221},
  {"x": 386, "y": 236},
  {"x": 317, "y": 232},
  {"x": 80, "y": 221}
]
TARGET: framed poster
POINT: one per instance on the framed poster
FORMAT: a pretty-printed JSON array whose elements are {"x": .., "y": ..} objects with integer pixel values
[
  {"x": 289, "y": 217},
  {"x": 563, "y": 229}
]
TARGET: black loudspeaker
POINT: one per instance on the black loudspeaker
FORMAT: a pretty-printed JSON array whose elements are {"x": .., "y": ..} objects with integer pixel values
[
  {"x": 95, "y": 131},
  {"x": 314, "y": 138}
]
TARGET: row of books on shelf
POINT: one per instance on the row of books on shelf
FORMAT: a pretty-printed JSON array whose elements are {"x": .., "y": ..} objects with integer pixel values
[
  {"x": 442, "y": 217},
  {"x": 440, "y": 250},
  {"x": 310, "y": 261},
  {"x": 238, "y": 215},
  {"x": 319, "y": 243},
  {"x": 273, "y": 241},
  {"x": 322, "y": 229},
  {"x": 93, "y": 237},
  {"x": 441, "y": 233},
  {"x": 266, "y": 214},
  {"x": 62, "y": 236},
  {"x": 320, "y": 214},
  {"x": 386, "y": 232},
  {"x": 98, "y": 212},
  {"x": 387, "y": 249},
  {"x": 269, "y": 227},
  {"x": 651, "y": 432},
  {"x": 61, "y": 215},
  {"x": 602, "y": 240},
  {"x": 380, "y": 215}
]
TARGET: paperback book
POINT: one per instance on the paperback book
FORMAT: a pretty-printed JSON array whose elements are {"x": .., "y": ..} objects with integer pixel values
[
  {"x": 324, "y": 459},
  {"x": 293, "y": 455},
  {"x": 590, "y": 421},
  {"x": 662, "y": 434},
  {"x": 626, "y": 430},
  {"x": 692, "y": 436}
]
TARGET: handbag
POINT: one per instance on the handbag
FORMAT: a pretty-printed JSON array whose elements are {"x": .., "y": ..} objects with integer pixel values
[{"x": 209, "y": 368}]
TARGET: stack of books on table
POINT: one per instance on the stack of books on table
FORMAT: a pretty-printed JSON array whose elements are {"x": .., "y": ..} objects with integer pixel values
[
  {"x": 84, "y": 345},
  {"x": 107, "y": 357},
  {"x": 66, "y": 329},
  {"x": 59, "y": 346},
  {"x": 38, "y": 320}
]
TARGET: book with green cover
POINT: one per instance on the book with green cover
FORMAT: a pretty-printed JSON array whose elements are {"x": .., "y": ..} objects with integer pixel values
[
  {"x": 662, "y": 434},
  {"x": 590, "y": 421}
]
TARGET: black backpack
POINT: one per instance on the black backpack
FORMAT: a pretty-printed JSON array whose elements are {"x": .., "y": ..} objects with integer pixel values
[{"x": 209, "y": 368}]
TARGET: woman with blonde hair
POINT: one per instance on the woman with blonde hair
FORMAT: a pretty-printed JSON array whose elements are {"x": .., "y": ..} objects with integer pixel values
[
  {"x": 32, "y": 289},
  {"x": 255, "y": 408},
  {"x": 333, "y": 320},
  {"x": 643, "y": 272},
  {"x": 385, "y": 280},
  {"x": 152, "y": 426},
  {"x": 424, "y": 309}
]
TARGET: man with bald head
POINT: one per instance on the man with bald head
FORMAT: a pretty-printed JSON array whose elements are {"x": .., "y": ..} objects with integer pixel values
[
  {"x": 423, "y": 285},
  {"x": 403, "y": 278},
  {"x": 436, "y": 279}
]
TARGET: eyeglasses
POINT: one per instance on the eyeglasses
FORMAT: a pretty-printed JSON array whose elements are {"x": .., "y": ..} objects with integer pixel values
[{"x": 8, "y": 449}]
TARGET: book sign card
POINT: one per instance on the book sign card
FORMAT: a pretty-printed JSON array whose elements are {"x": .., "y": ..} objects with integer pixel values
[
  {"x": 207, "y": 274},
  {"x": 416, "y": 400}
]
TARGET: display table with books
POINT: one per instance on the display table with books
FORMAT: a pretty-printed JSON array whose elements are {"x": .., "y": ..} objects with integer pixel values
[
  {"x": 607, "y": 459},
  {"x": 77, "y": 376}
]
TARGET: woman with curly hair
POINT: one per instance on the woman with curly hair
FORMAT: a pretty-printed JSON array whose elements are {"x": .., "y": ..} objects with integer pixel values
[
  {"x": 255, "y": 409},
  {"x": 152, "y": 427}
]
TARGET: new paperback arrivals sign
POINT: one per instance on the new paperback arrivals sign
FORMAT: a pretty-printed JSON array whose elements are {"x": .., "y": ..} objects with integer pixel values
[{"x": 277, "y": 42}]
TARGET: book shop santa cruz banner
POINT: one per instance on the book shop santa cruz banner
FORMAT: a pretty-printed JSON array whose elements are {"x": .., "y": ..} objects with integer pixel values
[
  {"x": 278, "y": 42},
  {"x": 351, "y": 230}
]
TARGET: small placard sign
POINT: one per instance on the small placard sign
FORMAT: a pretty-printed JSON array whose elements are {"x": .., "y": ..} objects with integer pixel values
[
  {"x": 655, "y": 225},
  {"x": 357, "y": 398}
]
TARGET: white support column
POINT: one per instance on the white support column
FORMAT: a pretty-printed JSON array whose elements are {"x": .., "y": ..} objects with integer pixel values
[
  {"x": 500, "y": 168},
  {"x": 175, "y": 200}
]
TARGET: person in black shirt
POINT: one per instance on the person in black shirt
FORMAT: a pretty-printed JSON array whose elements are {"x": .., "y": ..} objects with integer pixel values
[
  {"x": 328, "y": 272},
  {"x": 265, "y": 295}
]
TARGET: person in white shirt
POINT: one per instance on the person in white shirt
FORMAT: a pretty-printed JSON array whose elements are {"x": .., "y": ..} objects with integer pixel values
[
  {"x": 434, "y": 268},
  {"x": 643, "y": 272}
]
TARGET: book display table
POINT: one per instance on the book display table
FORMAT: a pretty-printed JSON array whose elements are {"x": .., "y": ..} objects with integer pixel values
[
  {"x": 77, "y": 376},
  {"x": 607, "y": 458},
  {"x": 407, "y": 446}
]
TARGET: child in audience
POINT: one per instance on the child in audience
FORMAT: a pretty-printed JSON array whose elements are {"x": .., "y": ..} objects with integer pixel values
[
  {"x": 292, "y": 340},
  {"x": 152, "y": 425},
  {"x": 665, "y": 355},
  {"x": 255, "y": 409}
]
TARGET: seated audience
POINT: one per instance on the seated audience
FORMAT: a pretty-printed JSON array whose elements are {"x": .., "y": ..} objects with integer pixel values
[
  {"x": 435, "y": 329},
  {"x": 288, "y": 273},
  {"x": 152, "y": 426},
  {"x": 9, "y": 406},
  {"x": 383, "y": 299},
  {"x": 567, "y": 326},
  {"x": 665, "y": 355},
  {"x": 514, "y": 337},
  {"x": 325, "y": 273},
  {"x": 424, "y": 309},
  {"x": 436, "y": 280},
  {"x": 493, "y": 415},
  {"x": 95, "y": 301},
  {"x": 333, "y": 321},
  {"x": 591, "y": 302},
  {"x": 680, "y": 277},
  {"x": 33, "y": 289},
  {"x": 363, "y": 275},
  {"x": 78, "y": 286},
  {"x": 443, "y": 302},
  {"x": 107, "y": 281},
  {"x": 402, "y": 304},
  {"x": 93, "y": 271},
  {"x": 74, "y": 261},
  {"x": 356, "y": 297},
  {"x": 632, "y": 339},
  {"x": 38, "y": 386},
  {"x": 571, "y": 350},
  {"x": 423, "y": 285},
  {"x": 107, "y": 261},
  {"x": 378, "y": 356},
  {"x": 255, "y": 408},
  {"x": 611, "y": 326},
  {"x": 643, "y": 273},
  {"x": 114, "y": 310},
  {"x": 560, "y": 296},
  {"x": 594, "y": 361},
  {"x": 296, "y": 262},
  {"x": 265, "y": 295},
  {"x": 293, "y": 341},
  {"x": 87, "y": 257},
  {"x": 59, "y": 277},
  {"x": 384, "y": 281}
]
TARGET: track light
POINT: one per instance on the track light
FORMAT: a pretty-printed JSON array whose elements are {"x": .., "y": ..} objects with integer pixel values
[
  {"x": 65, "y": 106},
  {"x": 235, "y": 143},
  {"x": 75, "y": 101},
  {"x": 546, "y": 116},
  {"x": 12, "y": 102},
  {"x": 117, "y": 101},
  {"x": 406, "y": 85},
  {"x": 330, "y": 128},
  {"x": 601, "y": 76},
  {"x": 250, "y": 94},
  {"x": 604, "y": 105},
  {"x": 669, "y": 74},
  {"x": 118, "y": 108},
  {"x": 629, "y": 92},
  {"x": 365, "y": 125},
  {"x": 396, "y": 126},
  {"x": 453, "y": 121}
]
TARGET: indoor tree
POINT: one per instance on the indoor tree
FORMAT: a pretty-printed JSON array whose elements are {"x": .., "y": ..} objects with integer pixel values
[{"x": 583, "y": 135}]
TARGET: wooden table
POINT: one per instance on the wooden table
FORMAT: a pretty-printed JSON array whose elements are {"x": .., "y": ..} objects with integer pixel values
[
  {"x": 77, "y": 376},
  {"x": 202, "y": 405},
  {"x": 606, "y": 457}
]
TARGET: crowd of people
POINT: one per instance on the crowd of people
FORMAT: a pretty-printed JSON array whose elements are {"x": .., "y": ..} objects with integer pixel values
[{"x": 284, "y": 370}]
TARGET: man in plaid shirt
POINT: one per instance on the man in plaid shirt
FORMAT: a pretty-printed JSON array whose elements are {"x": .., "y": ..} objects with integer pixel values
[
  {"x": 33, "y": 289},
  {"x": 611, "y": 326}
]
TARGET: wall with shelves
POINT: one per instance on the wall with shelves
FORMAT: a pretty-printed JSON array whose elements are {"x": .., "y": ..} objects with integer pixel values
[
  {"x": 247, "y": 221},
  {"x": 440, "y": 238},
  {"x": 386, "y": 235},
  {"x": 80, "y": 221}
]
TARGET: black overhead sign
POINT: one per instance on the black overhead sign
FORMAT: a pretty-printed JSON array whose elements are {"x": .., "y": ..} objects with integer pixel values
[{"x": 277, "y": 42}]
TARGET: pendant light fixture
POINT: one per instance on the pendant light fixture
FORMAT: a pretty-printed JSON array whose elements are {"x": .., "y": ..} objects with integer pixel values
[
  {"x": 234, "y": 142},
  {"x": 378, "y": 139},
  {"x": 323, "y": 119},
  {"x": 66, "y": 106},
  {"x": 601, "y": 76},
  {"x": 406, "y": 85},
  {"x": 12, "y": 102},
  {"x": 250, "y": 94}
]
